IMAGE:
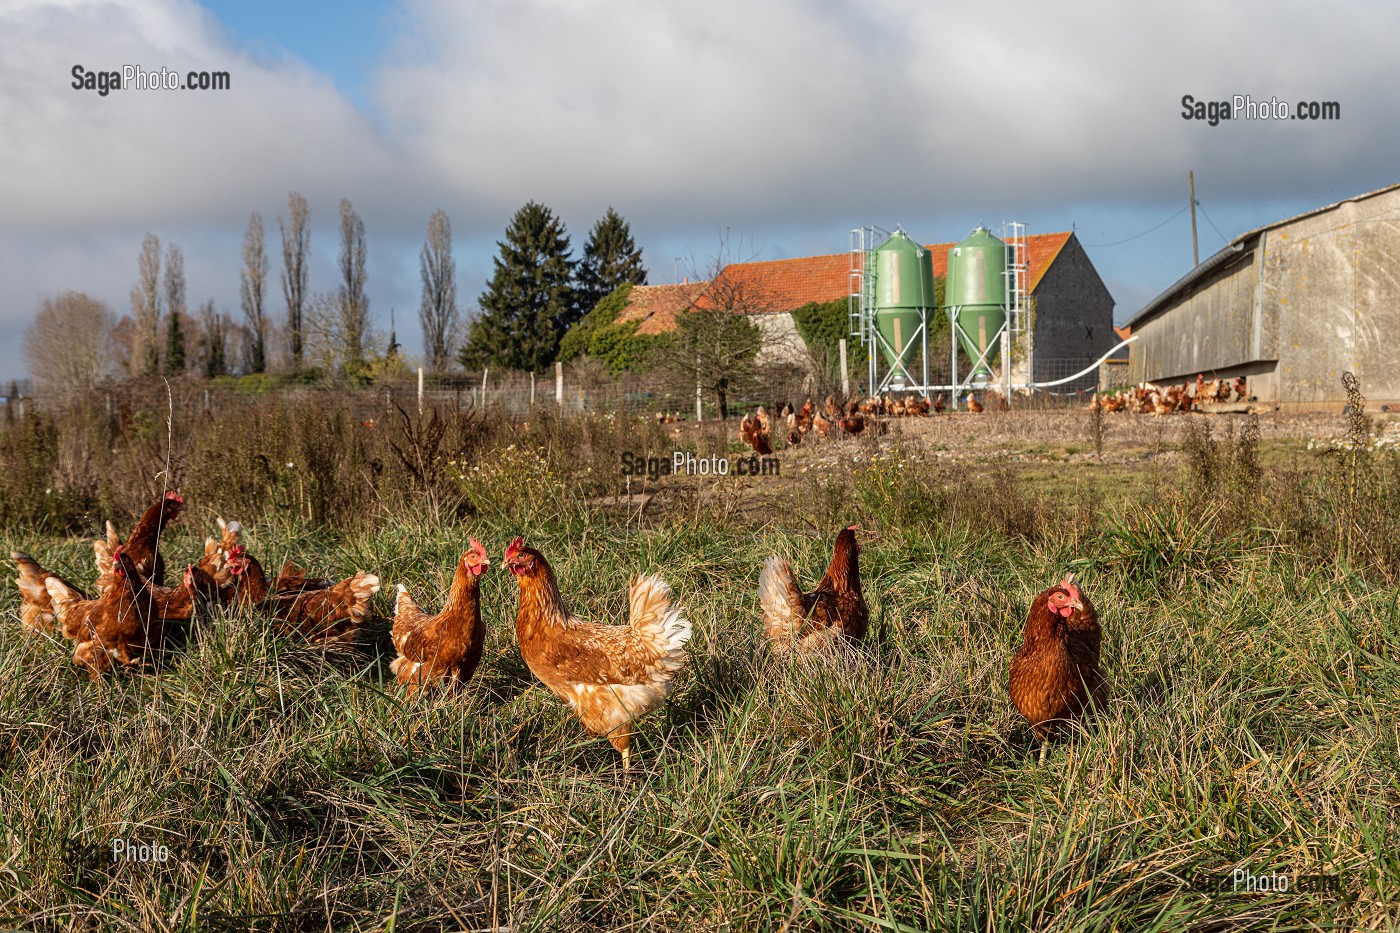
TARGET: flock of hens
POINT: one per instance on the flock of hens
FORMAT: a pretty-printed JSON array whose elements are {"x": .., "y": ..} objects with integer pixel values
[
  {"x": 609, "y": 675},
  {"x": 756, "y": 428},
  {"x": 1149, "y": 399}
]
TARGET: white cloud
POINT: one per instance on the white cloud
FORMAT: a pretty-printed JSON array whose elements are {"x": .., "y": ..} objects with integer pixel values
[
  {"x": 792, "y": 111},
  {"x": 790, "y": 121},
  {"x": 162, "y": 156}
]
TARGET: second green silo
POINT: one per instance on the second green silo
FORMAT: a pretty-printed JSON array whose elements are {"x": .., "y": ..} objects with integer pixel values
[{"x": 975, "y": 293}]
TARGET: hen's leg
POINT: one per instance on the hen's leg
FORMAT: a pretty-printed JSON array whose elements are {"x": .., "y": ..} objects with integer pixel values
[{"x": 621, "y": 739}]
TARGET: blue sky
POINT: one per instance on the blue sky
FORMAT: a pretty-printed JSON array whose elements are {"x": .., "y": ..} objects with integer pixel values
[
  {"x": 782, "y": 124},
  {"x": 343, "y": 41}
]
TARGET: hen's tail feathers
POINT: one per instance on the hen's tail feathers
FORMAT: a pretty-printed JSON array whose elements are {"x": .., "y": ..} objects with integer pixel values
[
  {"x": 407, "y": 615},
  {"x": 340, "y": 611},
  {"x": 404, "y": 603},
  {"x": 102, "y": 560},
  {"x": 62, "y": 597},
  {"x": 359, "y": 589},
  {"x": 663, "y": 629},
  {"x": 362, "y": 586},
  {"x": 36, "y": 611},
  {"x": 781, "y": 619}
]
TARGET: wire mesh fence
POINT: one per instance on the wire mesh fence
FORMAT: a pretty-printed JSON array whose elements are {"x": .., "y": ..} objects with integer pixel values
[{"x": 571, "y": 390}]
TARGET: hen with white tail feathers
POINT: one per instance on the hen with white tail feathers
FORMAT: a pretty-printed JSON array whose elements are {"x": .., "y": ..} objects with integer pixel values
[
  {"x": 834, "y": 611},
  {"x": 610, "y": 675}
]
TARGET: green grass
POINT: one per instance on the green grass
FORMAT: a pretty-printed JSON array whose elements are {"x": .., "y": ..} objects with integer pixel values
[{"x": 1256, "y": 697}]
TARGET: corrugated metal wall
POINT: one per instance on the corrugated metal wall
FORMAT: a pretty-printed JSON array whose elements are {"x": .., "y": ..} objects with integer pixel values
[{"x": 1303, "y": 303}]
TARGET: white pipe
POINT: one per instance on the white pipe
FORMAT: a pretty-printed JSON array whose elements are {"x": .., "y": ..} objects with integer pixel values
[
  {"x": 1035, "y": 385},
  {"x": 1083, "y": 372}
]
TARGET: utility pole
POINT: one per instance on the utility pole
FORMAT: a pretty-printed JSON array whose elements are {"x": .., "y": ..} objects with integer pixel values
[{"x": 1195, "y": 250}]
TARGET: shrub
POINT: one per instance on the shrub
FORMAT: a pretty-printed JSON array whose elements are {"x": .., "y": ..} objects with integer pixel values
[{"x": 598, "y": 334}]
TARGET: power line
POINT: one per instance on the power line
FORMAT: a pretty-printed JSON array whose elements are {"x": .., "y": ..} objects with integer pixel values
[
  {"x": 1143, "y": 233},
  {"x": 1212, "y": 223}
]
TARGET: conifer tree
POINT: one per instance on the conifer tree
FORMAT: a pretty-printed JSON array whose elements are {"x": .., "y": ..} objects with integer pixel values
[
  {"x": 611, "y": 258},
  {"x": 529, "y": 302}
]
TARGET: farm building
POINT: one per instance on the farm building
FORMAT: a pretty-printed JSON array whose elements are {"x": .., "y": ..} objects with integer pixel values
[
  {"x": 1073, "y": 311},
  {"x": 1291, "y": 306}
]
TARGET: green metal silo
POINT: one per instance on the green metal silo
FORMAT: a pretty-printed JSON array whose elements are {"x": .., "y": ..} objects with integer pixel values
[
  {"x": 975, "y": 293},
  {"x": 903, "y": 273}
]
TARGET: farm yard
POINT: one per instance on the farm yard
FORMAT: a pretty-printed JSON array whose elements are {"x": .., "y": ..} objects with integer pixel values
[{"x": 1246, "y": 570}]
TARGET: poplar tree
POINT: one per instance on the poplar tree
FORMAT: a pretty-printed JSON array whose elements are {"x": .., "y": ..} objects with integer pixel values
[
  {"x": 175, "y": 311},
  {"x": 296, "y": 249},
  {"x": 438, "y": 311},
  {"x": 252, "y": 291}
]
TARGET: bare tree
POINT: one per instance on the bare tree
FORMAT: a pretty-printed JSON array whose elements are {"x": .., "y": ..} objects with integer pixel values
[
  {"x": 328, "y": 345},
  {"x": 354, "y": 303},
  {"x": 438, "y": 312},
  {"x": 296, "y": 247},
  {"x": 174, "y": 310},
  {"x": 716, "y": 344},
  {"x": 126, "y": 344},
  {"x": 69, "y": 347},
  {"x": 325, "y": 336},
  {"x": 252, "y": 288},
  {"x": 145, "y": 307}
]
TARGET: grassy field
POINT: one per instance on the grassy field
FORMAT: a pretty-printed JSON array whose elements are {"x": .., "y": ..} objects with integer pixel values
[{"x": 1247, "y": 588}]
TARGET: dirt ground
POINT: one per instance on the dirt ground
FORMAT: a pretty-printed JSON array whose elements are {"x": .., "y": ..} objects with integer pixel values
[{"x": 1047, "y": 450}]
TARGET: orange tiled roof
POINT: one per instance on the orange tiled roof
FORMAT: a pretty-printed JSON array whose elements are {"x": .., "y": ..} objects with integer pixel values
[
  {"x": 1123, "y": 332},
  {"x": 656, "y": 306},
  {"x": 786, "y": 284}
]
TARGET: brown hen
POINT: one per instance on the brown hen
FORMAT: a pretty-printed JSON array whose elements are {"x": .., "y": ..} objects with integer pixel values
[
  {"x": 835, "y": 610},
  {"x": 1055, "y": 675},
  {"x": 610, "y": 675},
  {"x": 36, "y": 610},
  {"x": 142, "y": 545},
  {"x": 446, "y": 646},
  {"x": 120, "y": 625},
  {"x": 326, "y": 614}
]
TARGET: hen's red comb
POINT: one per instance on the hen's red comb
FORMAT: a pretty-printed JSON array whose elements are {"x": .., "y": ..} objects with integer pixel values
[
  {"x": 514, "y": 547},
  {"x": 174, "y": 496}
]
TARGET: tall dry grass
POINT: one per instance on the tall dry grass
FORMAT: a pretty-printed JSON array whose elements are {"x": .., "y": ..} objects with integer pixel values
[{"x": 1254, "y": 651}]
